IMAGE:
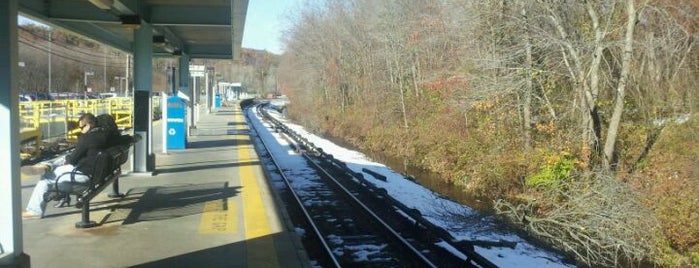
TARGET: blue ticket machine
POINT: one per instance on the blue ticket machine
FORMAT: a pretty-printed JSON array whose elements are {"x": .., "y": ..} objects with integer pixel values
[
  {"x": 176, "y": 123},
  {"x": 217, "y": 101}
]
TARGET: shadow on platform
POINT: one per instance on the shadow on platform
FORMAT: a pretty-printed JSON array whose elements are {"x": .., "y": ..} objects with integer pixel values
[
  {"x": 160, "y": 203},
  {"x": 237, "y": 124},
  {"x": 217, "y": 143},
  {"x": 180, "y": 168},
  {"x": 226, "y": 113},
  {"x": 210, "y": 257},
  {"x": 228, "y": 255}
]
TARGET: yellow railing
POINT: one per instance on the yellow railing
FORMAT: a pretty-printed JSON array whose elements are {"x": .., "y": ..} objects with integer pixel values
[
  {"x": 121, "y": 109},
  {"x": 30, "y": 133},
  {"x": 54, "y": 120}
]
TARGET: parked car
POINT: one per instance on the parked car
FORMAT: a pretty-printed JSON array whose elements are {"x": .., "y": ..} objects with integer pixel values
[
  {"x": 24, "y": 98},
  {"x": 107, "y": 95},
  {"x": 36, "y": 96},
  {"x": 75, "y": 96}
]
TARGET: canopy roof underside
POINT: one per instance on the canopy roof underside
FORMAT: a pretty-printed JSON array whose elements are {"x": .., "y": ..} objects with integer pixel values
[{"x": 198, "y": 28}]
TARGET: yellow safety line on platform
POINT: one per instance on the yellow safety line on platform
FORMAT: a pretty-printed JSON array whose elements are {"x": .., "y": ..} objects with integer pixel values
[
  {"x": 256, "y": 223},
  {"x": 219, "y": 217},
  {"x": 259, "y": 241}
]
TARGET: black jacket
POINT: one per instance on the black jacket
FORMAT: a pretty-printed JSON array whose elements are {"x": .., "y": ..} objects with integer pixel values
[{"x": 86, "y": 149}]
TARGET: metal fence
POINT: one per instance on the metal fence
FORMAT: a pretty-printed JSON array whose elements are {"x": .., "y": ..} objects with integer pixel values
[{"x": 57, "y": 120}]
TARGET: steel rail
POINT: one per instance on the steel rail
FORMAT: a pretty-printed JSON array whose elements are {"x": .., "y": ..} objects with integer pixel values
[
  {"x": 394, "y": 235},
  {"x": 299, "y": 203},
  {"x": 465, "y": 247}
]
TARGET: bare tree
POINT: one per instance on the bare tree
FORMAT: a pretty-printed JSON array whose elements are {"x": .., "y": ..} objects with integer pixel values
[
  {"x": 526, "y": 78},
  {"x": 595, "y": 217},
  {"x": 613, "y": 128},
  {"x": 526, "y": 106}
]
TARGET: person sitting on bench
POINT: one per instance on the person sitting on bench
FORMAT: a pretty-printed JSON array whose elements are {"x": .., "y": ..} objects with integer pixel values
[{"x": 92, "y": 140}]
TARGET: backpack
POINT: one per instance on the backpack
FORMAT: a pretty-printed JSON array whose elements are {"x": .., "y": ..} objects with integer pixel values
[
  {"x": 107, "y": 122},
  {"x": 102, "y": 167}
]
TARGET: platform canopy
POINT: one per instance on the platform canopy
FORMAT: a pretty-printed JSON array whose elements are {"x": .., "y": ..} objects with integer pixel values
[{"x": 198, "y": 28}]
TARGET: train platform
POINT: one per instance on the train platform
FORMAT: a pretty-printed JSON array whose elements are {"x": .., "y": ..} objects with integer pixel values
[{"x": 205, "y": 206}]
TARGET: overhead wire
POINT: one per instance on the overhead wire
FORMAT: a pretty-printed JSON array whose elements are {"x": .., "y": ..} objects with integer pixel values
[
  {"x": 70, "y": 58},
  {"x": 62, "y": 50},
  {"x": 69, "y": 54},
  {"x": 62, "y": 44}
]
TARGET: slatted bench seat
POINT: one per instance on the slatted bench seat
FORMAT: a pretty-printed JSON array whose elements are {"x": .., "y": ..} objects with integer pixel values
[{"x": 107, "y": 168}]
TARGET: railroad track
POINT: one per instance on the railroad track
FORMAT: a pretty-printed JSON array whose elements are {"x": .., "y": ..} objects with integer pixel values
[{"x": 346, "y": 220}]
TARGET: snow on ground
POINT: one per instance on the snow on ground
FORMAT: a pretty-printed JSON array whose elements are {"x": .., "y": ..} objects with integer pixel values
[{"x": 461, "y": 221}]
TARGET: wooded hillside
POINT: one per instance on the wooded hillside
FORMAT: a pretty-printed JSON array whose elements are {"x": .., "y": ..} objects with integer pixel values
[
  {"x": 579, "y": 118},
  {"x": 71, "y": 56}
]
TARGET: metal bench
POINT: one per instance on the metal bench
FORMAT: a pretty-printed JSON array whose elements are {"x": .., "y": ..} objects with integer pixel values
[{"x": 106, "y": 171}]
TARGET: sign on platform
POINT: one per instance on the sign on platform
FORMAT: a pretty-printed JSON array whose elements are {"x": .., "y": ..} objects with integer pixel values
[{"x": 197, "y": 70}]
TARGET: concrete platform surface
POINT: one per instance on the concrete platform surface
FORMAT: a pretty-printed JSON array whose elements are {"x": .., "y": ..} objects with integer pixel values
[{"x": 206, "y": 206}]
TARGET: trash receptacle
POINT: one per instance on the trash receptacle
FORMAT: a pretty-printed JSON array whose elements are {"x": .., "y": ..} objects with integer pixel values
[
  {"x": 217, "y": 101},
  {"x": 176, "y": 123}
]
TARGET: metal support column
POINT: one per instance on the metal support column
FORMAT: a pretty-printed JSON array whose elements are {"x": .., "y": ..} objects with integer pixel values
[
  {"x": 11, "y": 247},
  {"x": 172, "y": 80},
  {"x": 144, "y": 158},
  {"x": 195, "y": 102},
  {"x": 185, "y": 89},
  {"x": 206, "y": 91},
  {"x": 184, "y": 75}
]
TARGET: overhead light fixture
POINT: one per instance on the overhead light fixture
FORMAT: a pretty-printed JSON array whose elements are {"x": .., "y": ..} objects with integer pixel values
[
  {"x": 130, "y": 21},
  {"x": 158, "y": 40},
  {"x": 103, "y": 4},
  {"x": 168, "y": 48}
]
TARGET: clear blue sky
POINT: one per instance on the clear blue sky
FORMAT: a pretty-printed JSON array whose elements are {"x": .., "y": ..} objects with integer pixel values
[{"x": 265, "y": 21}]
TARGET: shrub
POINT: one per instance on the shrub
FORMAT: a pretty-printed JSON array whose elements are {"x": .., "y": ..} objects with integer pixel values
[
  {"x": 593, "y": 217},
  {"x": 556, "y": 169},
  {"x": 667, "y": 182}
]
